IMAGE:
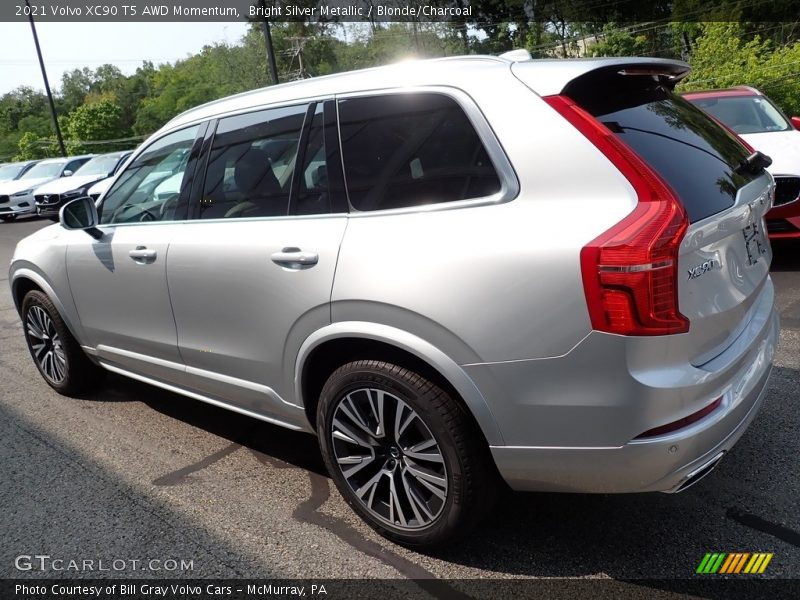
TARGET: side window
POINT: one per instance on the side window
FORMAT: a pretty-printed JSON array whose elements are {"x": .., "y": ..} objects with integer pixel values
[
  {"x": 149, "y": 189},
  {"x": 410, "y": 150},
  {"x": 75, "y": 164},
  {"x": 251, "y": 164}
]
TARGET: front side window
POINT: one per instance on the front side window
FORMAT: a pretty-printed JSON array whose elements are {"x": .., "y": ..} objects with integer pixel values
[
  {"x": 149, "y": 189},
  {"x": 251, "y": 164},
  {"x": 407, "y": 150},
  {"x": 74, "y": 165}
]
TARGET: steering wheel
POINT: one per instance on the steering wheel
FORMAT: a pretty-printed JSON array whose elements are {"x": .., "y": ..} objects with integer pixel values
[
  {"x": 147, "y": 216},
  {"x": 169, "y": 204}
]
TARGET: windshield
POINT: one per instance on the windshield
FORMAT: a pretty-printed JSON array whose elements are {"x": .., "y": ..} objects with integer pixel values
[
  {"x": 42, "y": 170},
  {"x": 10, "y": 172},
  {"x": 745, "y": 114},
  {"x": 101, "y": 165}
]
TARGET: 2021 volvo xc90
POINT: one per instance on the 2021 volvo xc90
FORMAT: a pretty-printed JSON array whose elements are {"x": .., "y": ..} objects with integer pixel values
[{"x": 454, "y": 272}]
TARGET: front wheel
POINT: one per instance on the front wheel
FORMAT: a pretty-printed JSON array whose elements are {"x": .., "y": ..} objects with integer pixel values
[
  {"x": 58, "y": 356},
  {"x": 8, "y": 218},
  {"x": 403, "y": 453}
]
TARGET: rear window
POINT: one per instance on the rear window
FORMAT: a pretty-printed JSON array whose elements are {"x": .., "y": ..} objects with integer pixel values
[{"x": 694, "y": 154}]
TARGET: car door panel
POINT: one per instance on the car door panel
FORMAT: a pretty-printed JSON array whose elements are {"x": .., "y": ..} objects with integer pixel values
[
  {"x": 123, "y": 301},
  {"x": 235, "y": 308},
  {"x": 118, "y": 280}
]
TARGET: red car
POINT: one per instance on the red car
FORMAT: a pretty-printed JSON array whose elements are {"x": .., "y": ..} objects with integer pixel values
[{"x": 761, "y": 124}]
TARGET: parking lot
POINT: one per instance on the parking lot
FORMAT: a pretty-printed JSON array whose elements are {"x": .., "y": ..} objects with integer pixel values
[{"x": 136, "y": 473}]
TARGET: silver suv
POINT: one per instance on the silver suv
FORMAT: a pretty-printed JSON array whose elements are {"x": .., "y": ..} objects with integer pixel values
[{"x": 454, "y": 273}]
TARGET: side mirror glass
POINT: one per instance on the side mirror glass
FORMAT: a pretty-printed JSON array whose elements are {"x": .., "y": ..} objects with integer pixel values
[
  {"x": 80, "y": 214},
  {"x": 67, "y": 173},
  {"x": 796, "y": 122}
]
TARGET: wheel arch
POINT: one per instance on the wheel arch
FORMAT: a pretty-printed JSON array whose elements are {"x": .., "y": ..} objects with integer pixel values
[
  {"x": 23, "y": 280},
  {"x": 340, "y": 343}
]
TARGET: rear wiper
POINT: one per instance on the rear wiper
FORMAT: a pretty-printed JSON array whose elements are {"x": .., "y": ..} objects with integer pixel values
[{"x": 754, "y": 163}]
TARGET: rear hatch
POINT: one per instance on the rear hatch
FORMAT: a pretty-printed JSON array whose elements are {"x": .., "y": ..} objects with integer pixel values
[{"x": 724, "y": 258}]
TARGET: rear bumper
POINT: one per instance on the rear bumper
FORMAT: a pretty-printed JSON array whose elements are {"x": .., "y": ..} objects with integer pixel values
[
  {"x": 663, "y": 465},
  {"x": 570, "y": 424}
]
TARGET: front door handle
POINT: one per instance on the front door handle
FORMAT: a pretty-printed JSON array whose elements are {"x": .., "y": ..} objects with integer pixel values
[
  {"x": 294, "y": 258},
  {"x": 142, "y": 255}
]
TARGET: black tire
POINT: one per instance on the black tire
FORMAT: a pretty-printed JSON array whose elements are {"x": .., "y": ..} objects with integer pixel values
[
  {"x": 71, "y": 371},
  {"x": 8, "y": 218},
  {"x": 471, "y": 478}
]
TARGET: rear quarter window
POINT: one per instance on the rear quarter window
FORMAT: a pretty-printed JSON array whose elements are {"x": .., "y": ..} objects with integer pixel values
[{"x": 412, "y": 149}]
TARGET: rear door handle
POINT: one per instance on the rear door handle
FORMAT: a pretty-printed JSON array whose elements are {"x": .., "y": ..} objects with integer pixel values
[
  {"x": 142, "y": 255},
  {"x": 294, "y": 258}
]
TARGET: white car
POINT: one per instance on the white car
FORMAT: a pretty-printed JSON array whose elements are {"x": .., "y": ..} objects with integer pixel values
[
  {"x": 53, "y": 195},
  {"x": 16, "y": 197},
  {"x": 12, "y": 171}
]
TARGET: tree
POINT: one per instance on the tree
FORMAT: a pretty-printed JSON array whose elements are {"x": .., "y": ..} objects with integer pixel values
[
  {"x": 725, "y": 56},
  {"x": 619, "y": 42},
  {"x": 99, "y": 120},
  {"x": 32, "y": 146}
]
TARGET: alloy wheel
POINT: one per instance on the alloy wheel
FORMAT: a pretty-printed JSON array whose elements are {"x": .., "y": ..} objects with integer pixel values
[
  {"x": 46, "y": 344},
  {"x": 389, "y": 458}
]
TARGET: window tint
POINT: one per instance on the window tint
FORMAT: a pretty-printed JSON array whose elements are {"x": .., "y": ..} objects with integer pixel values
[
  {"x": 251, "y": 164},
  {"x": 410, "y": 150},
  {"x": 149, "y": 189},
  {"x": 694, "y": 154},
  {"x": 76, "y": 164}
]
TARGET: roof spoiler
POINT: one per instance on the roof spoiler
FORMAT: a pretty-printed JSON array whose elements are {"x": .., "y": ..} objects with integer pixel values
[{"x": 548, "y": 77}]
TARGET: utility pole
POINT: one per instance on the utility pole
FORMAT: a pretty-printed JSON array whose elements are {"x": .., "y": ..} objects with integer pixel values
[
  {"x": 273, "y": 68},
  {"x": 46, "y": 83}
]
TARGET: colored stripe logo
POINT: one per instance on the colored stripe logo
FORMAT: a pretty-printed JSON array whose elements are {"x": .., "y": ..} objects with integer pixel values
[{"x": 724, "y": 563}]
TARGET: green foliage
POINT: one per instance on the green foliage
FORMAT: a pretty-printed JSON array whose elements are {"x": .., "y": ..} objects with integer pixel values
[
  {"x": 32, "y": 146},
  {"x": 99, "y": 120},
  {"x": 616, "y": 42},
  {"x": 724, "y": 55}
]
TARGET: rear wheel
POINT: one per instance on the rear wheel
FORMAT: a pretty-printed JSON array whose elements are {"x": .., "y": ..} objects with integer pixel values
[
  {"x": 57, "y": 354},
  {"x": 403, "y": 453}
]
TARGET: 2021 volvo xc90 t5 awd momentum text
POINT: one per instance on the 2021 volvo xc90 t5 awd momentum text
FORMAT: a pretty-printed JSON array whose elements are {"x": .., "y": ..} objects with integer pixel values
[{"x": 454, "y": 272}]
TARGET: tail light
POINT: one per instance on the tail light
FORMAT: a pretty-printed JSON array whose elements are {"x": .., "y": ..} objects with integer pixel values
[{"x": 630, "y": 272}]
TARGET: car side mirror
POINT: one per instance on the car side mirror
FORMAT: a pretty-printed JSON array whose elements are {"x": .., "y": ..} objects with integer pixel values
[
  {"x": 67, "y": 173},
  {"x": 80, "y": 214},
  {"x": 796, "y": 122}
]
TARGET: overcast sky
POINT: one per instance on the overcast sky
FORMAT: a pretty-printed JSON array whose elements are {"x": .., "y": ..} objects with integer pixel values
[{"x": 68, "y": 46}]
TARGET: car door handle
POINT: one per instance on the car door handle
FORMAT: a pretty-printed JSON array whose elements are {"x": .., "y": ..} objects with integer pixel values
[
  {"x": 294, "y": 258},
  {"x": 142, "y": 255}
]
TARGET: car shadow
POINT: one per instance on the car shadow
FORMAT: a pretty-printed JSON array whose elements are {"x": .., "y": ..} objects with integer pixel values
[{"x": 630, "y": 536}]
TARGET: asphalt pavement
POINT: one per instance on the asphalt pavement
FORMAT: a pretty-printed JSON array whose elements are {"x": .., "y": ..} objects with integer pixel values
[{"x": 136, "y": 474}]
